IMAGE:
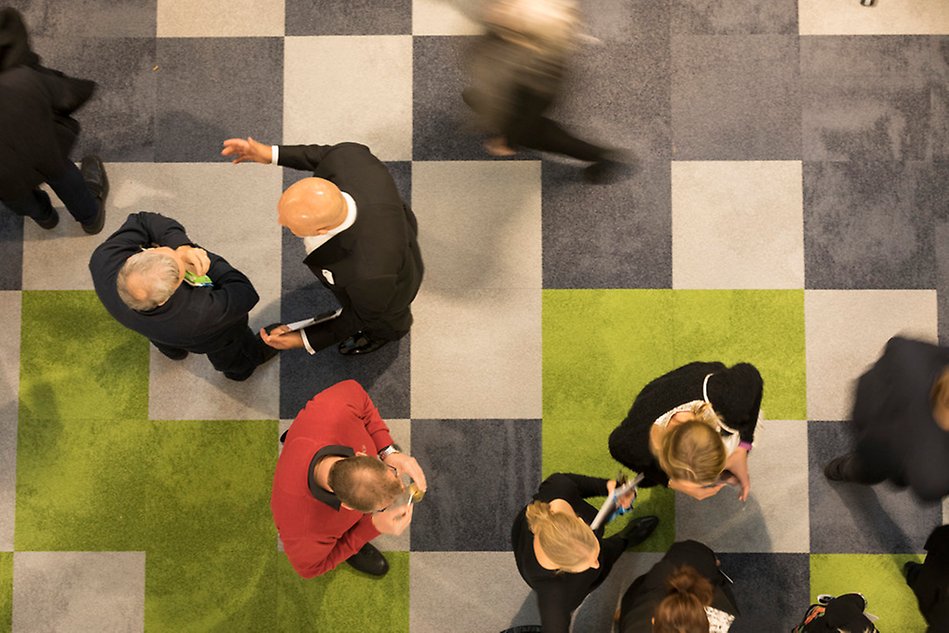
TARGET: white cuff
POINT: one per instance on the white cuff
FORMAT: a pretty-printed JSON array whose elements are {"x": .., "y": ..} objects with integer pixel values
[
  {"x": 275, "y": 160},
  {"x": 306, "y": 343}
]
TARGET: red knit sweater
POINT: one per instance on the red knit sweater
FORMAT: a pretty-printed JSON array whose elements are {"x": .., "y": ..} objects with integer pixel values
[{"x": 317, "y": 537}]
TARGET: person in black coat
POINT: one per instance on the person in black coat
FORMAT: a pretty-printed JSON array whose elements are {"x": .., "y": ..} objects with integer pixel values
[
  {"x": 734, "y": 395},
  {"x": 901, "y": 415},
  {"x": 360, "y": 238},
  {"x": 684, "y": 587},
  {"x": 37, "y": 133},
  {"x": 930, "y": 580},
  {"x": 556, "y": 551},
  {"x": 138, "y": 273}
]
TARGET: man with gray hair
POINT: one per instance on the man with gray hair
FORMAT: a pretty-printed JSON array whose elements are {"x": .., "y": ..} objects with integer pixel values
[{"x": 138, "y": 274}]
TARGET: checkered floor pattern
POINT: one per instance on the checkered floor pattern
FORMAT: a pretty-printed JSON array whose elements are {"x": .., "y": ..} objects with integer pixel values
[{"x": 792, "y": 210}]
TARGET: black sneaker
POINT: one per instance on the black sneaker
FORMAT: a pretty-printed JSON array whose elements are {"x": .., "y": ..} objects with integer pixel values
[
  {"x": 93, "y": 172},
  {"x": 834, "y": 470}
]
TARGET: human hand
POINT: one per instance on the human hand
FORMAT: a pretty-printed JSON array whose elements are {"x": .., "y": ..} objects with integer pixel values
[
  {"x": 406, "y": 465},
  {"x": 737, "y": 465},
  {"x": 196, "y": 259},
  {"x": 626, "y": 500},
  {"x": 393, "y": 520},
  {"x": 282, "y": 338},
  {"x": 247, "y": 150},
  {"x": 694, "y": 490}
]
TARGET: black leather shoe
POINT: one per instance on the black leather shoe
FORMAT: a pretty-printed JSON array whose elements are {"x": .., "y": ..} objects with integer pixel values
[
  {"x": 834, "y": 470},
  {"x": 369, "y": 560},
  {"x": 93, "y": 172},
  {"x": 239, "y": 377},
  {"x": 360, "y": 343},
  {"x": 911, "y": 570},
  {"x": 50, "y": 221},
  {"x": 638, "y": 530},
  {"x": 266, "y": 352}
]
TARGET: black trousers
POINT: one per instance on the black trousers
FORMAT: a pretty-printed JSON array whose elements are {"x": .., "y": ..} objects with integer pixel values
[
  {"x": 71, "y": 189},
  {"x": 530, "y": 128},
  {"x": 236, "y": 353}
]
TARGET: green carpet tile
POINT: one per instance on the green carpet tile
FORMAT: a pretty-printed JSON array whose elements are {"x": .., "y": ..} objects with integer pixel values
[
  {"x": 879, "y": 578},
  {"x": 345, "y": 600},
  {"x": 77, "y": 362},
  {"x": 602, "y": 346},
  {"x": 6, "y": 591}
]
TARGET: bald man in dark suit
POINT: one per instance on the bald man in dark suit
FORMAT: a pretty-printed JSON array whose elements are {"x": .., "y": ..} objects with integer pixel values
[{"x": 360, "y": 238}]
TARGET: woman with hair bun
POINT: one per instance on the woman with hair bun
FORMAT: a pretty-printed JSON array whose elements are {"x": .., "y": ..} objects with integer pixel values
[
  {"x": 692, "y": 429},
  {"x": 683, "y": 593},
  {"x": 556, "y": 551}
]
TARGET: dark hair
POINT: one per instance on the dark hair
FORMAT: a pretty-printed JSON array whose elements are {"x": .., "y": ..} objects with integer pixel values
[
  {"x": 683, "y": 608},
  {"x": 363, "y": 483}
]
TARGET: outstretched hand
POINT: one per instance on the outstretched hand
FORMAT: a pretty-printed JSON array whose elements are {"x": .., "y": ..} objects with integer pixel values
[{"x": 247, "y": 150}]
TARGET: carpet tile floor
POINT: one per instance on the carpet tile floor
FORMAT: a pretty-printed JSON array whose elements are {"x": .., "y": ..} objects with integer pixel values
[{"x": 791, "y": 209}]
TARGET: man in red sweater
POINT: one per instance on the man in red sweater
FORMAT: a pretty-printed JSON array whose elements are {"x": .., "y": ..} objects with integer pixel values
[{"x": 336, "y": 483}]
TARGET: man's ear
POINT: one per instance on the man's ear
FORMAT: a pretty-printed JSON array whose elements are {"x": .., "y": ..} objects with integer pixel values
[{"x": 343, "y": 505}]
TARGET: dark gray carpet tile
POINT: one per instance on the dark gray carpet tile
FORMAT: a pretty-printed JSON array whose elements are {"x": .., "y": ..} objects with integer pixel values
[
  {"x": 607, "y": 236},
  {"x": 941, "y": 237},
  {"x": 625, "y": 21},
  {"x": 481, "y": 473},
  {"x": 855, "y": 519},
  {"x": 737, "y": 17},
  {"x": 869, "y": 224},
  {"x": 617, "y": 95},
  {"x": 443, "y": 127},
  {"x": 735, "y": 97},
  {"x": 772, "y": 590},
  {"x": 118, "y": 122},
  {"x": 348, "y": 17},
  {"x": 385, "y": 373},
  {"x": 88, "y": 18},
  {"x": 207, "y": 92},
  {"x": 11, "y": 245},
  {"x": 868, "y": 97},
  {"x": 940, "y": 99}
]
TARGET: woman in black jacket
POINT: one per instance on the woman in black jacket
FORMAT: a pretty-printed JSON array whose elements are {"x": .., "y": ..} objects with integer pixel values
[
  {"x": 669, "y": 432},
  {"x": 684, "y": 592},
  {"x": 556, "y": 551}
]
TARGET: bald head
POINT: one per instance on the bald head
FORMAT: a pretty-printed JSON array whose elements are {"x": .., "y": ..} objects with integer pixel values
[{"x": 312, "y": 206}]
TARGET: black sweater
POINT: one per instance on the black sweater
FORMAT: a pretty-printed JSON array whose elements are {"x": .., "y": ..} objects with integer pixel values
[
  {"x": 735, "y": 394},
  {"x": 558, "y": 594},
  {"x": 194, "y": 318}
]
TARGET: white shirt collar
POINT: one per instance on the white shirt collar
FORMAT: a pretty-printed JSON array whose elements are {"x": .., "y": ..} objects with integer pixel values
[{"x": 313, "y": 242}]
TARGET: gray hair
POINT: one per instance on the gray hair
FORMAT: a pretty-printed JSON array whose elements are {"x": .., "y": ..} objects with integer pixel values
[{"x": 158, "y": 273}]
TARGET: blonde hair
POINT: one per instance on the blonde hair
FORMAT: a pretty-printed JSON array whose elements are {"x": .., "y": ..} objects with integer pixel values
[
  {"x": 566, "y": 539},
  {"x": 694, "y": 450}
]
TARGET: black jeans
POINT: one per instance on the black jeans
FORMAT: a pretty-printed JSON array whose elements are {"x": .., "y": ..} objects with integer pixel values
[{"x": 71, "y": 189}]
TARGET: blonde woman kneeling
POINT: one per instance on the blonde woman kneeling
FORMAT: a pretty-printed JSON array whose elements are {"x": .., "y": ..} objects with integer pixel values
[
  {"x": 692, "y": 429},
  {"x": 557, "y": 553}
]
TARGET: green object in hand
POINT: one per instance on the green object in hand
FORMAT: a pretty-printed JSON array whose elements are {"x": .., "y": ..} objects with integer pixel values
[{"x": 194, "y": 280}]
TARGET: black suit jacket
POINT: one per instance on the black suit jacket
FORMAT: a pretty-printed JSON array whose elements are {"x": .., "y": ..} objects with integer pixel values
[
  {"x": 199, "y": 320},
  {"x": 375, "y": 265},
  {"x": 644, "y": 595},
  {"x": 897, "y": 437},
  {"x": 36, "y": 131}
]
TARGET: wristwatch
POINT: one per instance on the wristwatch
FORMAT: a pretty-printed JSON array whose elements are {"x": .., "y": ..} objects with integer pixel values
[{"x": 388, "y": 450}]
